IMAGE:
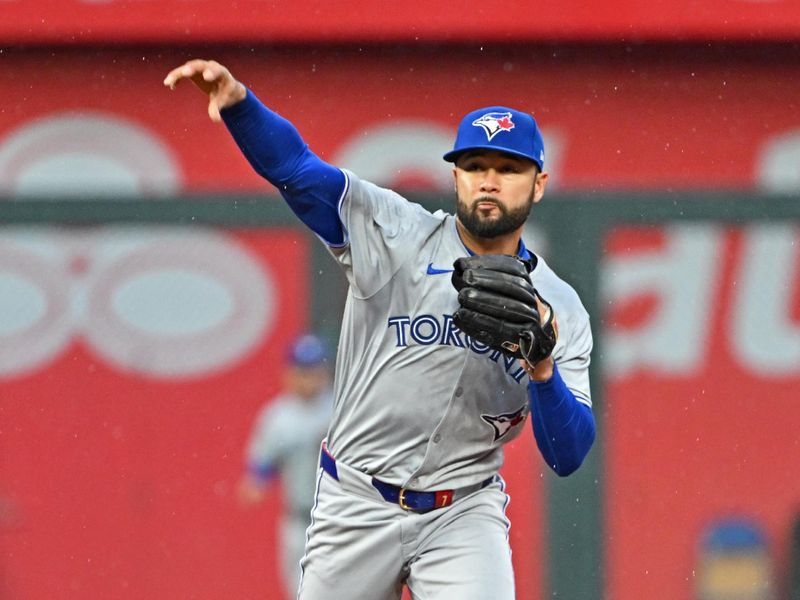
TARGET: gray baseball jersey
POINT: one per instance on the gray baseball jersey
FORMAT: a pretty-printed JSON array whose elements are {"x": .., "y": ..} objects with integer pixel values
[
  {"x": 417, "y": 403},
  {"x": 285, "y": 438}
]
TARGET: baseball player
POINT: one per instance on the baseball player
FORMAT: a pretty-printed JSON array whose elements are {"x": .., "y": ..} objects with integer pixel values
[
  {"x": 285, "y": 442},
  {"x": 453, "y": 335}
]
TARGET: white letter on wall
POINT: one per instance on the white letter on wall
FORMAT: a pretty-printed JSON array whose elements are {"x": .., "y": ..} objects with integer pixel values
[
  {"x": 763, "y": 334},
  {"x": 682, "y": 276}
]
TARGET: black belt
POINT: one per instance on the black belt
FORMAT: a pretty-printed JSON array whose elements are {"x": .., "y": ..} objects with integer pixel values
[{"x": 407, "y": 499}]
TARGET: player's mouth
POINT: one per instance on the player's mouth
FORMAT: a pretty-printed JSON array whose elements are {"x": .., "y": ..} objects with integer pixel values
[{"x": 486, "y": 205}]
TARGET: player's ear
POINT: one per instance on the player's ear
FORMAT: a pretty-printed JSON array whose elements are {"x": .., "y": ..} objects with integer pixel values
[
  {"x": 455, "y": 178},
  {"x": 539, "y": 183}
]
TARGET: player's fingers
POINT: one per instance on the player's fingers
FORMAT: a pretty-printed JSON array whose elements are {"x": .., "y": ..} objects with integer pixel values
[
  {"x": 196, "y": 65},
  {"x": 544, "y": 309},
  {"x": 186, "y": 71},
  {"x": 173, "y": 77},
  {"x": 213, "y": 110},
  {"x": 214, "y": 71}
]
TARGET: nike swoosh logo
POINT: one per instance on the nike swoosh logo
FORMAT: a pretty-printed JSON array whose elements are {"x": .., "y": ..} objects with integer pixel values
[{"x": 434, "y": 271}]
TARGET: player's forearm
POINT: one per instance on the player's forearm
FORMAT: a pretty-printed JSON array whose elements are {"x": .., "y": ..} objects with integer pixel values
[
  {"x": 564, "y": 427},
  {"x": 261, "y": 472},
  {"x": 271, "y": 144},
  {"x": 277, "y": 152}
]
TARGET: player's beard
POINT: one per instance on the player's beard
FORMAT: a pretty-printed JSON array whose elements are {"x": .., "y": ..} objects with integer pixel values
[{"x": 508, "y": 221}]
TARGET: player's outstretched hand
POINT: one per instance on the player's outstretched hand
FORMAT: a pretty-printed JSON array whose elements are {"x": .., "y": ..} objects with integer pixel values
[{"x": 213, "y": 79}]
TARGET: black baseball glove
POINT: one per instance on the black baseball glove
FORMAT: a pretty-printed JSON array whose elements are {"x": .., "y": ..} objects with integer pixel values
[{"x": 498, "y": 306}]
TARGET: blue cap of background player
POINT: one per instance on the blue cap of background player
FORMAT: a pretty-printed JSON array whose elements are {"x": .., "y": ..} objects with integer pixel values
[
  {"x": 499, "y": 128},
  {"x": 307, "y": 351}
]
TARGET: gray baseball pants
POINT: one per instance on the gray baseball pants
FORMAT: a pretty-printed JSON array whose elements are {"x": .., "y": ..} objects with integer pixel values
[{"x": 361, "y": 547}]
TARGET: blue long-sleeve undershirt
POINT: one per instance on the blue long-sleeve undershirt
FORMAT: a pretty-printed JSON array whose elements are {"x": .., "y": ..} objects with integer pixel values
[
  {"x": 272, "y": 145},
  {"x": 564, "y": 428},
  {"x": 262, "y": 472}
]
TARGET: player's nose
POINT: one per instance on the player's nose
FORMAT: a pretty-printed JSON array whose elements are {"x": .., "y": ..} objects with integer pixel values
[{"x": 490, "y": 181}]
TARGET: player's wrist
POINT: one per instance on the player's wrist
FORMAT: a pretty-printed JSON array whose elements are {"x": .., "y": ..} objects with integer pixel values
[
  {"x": 542, "y": 371},
  {"x": 233, "y": 103}
]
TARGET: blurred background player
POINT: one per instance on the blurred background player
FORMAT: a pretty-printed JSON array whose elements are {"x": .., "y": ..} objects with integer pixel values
[
  {"x": 284, "y": 443},
  {"x": 735, "y": 561}
]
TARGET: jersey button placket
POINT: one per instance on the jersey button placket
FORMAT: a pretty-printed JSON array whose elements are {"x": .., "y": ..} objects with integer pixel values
[{"x": 459, "y": 392}]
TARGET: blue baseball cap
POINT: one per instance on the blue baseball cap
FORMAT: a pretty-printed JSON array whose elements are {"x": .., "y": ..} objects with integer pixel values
[
  {"x": 499, "y": 128},
  {"x": 734, "y": 534},
  {"x": 307, "y": 351}
]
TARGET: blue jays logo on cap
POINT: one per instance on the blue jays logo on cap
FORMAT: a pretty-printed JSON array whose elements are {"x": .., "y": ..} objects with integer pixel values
[
  {"x": 502, "y": 129},
  {"x": 494, "y": 122}
]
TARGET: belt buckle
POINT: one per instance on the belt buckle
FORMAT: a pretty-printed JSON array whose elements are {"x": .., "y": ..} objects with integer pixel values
[{"x": 402, "y": 500}]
